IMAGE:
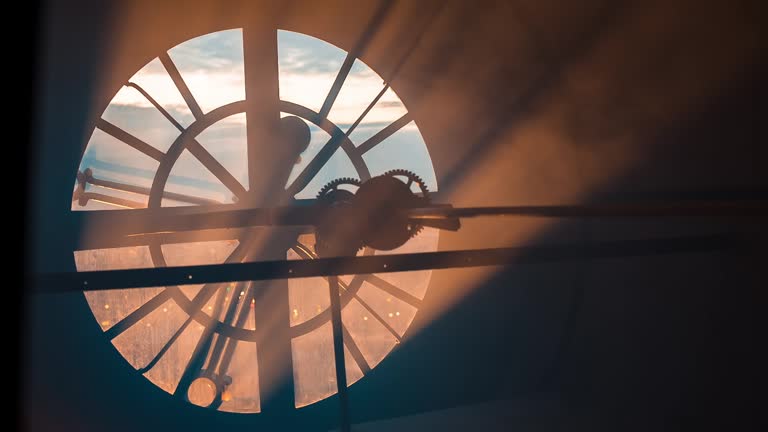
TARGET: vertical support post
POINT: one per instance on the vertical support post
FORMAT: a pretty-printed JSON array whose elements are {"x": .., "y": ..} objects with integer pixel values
[{"x": 338, "y": 352}]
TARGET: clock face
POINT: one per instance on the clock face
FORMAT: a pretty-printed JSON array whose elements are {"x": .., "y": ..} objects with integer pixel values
[{"x": 176, "y": 136}]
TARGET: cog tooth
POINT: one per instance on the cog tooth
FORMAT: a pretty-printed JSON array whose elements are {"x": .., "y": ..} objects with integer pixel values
[
  {"x": 333, "y": 184},
  {"x": 412, "y": 176}
]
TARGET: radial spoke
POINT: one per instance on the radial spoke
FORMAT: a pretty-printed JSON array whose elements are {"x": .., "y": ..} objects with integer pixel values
[
  {"x": 130, "y": 139},
  {"x": 354, "y": 54},
  {"x": 217, "y": 169},
  {"x": 379, "y": 318},
  {"x": 166, "y": 347},
  {"x": 157, "y": 106},
  {"x": 366, "y": 110},
  {"x": 357, "y": 355},
  {"x": 262, "y": 109},
  {"x": 394, "y": 290},
  {"x": 330, "y": 98},
  {"x": 136, "y": 316},
  {"x": 170, "y": 67},
  {"x": 383, "y": 134},
  {"x": 198, "y": 301}
]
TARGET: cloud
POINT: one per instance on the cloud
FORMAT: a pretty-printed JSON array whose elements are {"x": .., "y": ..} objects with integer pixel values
[{"x": 212, "y": 67}]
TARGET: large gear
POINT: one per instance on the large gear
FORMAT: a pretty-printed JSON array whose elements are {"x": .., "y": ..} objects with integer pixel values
[{"x": 412, "y": 177}]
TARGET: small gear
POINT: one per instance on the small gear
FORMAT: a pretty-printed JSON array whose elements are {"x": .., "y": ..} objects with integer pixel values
[
  {"x": 331, "y": 192},
  {"x": 330, "y": 239}
]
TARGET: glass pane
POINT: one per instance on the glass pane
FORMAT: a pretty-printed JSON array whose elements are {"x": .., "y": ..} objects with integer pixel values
[
  {"x": 404, "y": 149},
  {"x": 154, "y": 79},
  {"x": 168, "y": 370},
  {"x": 395, "y": 312},
  {"x": 415, "y": 282},
  {"x": 373, "y": 339},
  {"x": 314, "y": 370},
  {"x": 142, "y": 341},
  {"x": 111, "y": 159},
  {"x": 190, "y": 177},
  {"x": 226, "y": 142},
  {"x": 243, "y": 394},
  {"x": 307, "y": 68},
  {"x": 111, "y": 306},
  {"x": 212, "y": 67},
  {"x": 360, "y": 88}
]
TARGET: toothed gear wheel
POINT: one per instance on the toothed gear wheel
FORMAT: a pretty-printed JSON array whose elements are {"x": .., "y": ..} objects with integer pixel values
[
  {"x": 331, "y": 192},
  {"x": 330, "y": 238},
  {"x": 379, "y": 207},
  {"x": 412, "y": 178}
]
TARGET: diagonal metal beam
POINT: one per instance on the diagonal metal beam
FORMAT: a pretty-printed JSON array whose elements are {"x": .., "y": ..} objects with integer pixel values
[
  {"x": 362, "y": 43},
  {"x": 217, "y": 169},
  {"x": 170, "y": 67},
  {"x": 130, "y": 139},
  {"x": 383, "y": 134}
]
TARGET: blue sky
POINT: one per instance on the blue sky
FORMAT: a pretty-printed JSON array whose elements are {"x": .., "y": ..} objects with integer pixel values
[{"x": 212, "y": 66}]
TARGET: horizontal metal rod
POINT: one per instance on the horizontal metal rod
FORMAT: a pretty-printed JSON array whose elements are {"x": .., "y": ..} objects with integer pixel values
[
  {"x": 149, "y": 277},
  {"x": 309, "y": 213},
  {"x": 90, "y": 179},
  {"x": 676, "y": 209}
]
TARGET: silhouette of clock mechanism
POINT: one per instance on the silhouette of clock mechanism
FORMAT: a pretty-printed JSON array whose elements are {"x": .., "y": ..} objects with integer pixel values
[{"x": 228, "y": 304}]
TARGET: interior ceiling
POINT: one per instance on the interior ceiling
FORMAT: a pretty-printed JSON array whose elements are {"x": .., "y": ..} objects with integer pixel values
[{"x": 519, "y": 102}]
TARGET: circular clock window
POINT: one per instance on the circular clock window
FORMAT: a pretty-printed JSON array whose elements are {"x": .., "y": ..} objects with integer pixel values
[{"x": 176, "y": 135}]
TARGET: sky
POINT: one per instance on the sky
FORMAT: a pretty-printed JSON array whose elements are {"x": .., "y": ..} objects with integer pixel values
[{"x": 212, "y": 67}]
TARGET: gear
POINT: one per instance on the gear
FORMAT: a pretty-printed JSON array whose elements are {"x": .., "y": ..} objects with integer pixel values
[
  {"x": 331, "y": 192},
  {"x": 412, "y": 177},
  {"x": 329, "y": 241},
  {"x": 379, "y": 206}
]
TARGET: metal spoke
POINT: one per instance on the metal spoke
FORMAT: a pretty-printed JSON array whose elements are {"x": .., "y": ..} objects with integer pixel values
[
  {"x": 129, "y": 139},
  {"x": 354, "y": 350},
  {"x": 157, "y": 106},
  {"x": 194, "y": 147},
  {"x": 197, "y": 358},
  {"x": 383, "y": 134},
  {"x": 229, "y": 318},
  {"x": 394, "y": 291},
  {"x": 341, "y": 76},
  {"x": 338, "y": 351},
  {"x": 242, "y": 317},
  {"x": 217, "y": 169},
  {"x": 170, "y": 67},
  {"x": 137, "y": 315},
  {"x": 198, "y": 301},
  {"x": 262, "y": 109},
  {"x": 378, "y": 317},
  {"x": 362, "y": 43}
]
